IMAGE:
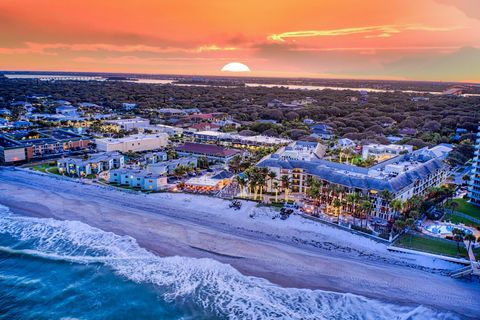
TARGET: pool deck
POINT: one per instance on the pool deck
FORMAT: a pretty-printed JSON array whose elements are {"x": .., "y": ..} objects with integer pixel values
[{"x": 429, "y": 223}]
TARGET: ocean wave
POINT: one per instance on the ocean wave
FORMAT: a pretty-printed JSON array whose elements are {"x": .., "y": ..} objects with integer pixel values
[{"x": 215, "y": 287}]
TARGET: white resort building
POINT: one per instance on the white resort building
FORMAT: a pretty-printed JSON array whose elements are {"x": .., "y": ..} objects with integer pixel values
[
  {"x": 402, "y": 176},
  {"x": 133, "y": 143}
]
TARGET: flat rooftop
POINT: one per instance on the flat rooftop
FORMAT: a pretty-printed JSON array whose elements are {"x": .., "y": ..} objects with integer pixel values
[
  {"x": 62, "y": 135},
  {"x": 136, "y": 137},
  {"x": 8, "y": 143}
]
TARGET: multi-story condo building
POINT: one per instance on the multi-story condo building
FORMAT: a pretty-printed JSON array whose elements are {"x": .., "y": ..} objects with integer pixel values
[
  {"x": 474, "y": 183},
  {"x": 403, "y": 176},
  {"x": 137, "y": 179},
  {"x": 95, "y": 164},
  {"x": 46, "y": 144}
]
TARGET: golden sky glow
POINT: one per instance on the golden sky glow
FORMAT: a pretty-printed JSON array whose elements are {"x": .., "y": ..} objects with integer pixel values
[{"x": 395, "y": 39}]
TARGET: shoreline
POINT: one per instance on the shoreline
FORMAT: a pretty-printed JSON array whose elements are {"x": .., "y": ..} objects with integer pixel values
[{"x": 262, "y": 251}]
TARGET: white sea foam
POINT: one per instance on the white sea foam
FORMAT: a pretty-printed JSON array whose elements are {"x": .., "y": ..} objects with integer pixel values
[{"x": 215, "y": 287}]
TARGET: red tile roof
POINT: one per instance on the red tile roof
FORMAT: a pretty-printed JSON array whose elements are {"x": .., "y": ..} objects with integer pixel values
[
  {"x": 204, "y": 126},
  {"x": 207, "y": 149}
]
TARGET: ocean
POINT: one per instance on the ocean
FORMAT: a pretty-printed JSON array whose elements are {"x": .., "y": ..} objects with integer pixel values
[{"x": 51, "y": 269}]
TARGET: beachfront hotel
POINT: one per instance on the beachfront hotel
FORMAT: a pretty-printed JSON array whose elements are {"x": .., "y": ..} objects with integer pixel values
[
  {"x": 404, "y": 175},
  {"x": 474, "y": 183},
  {"x": 133, "y": 143}
]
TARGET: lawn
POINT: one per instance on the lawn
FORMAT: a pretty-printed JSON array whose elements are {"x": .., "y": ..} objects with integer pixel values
[
  {"x": 467, "y": 208},
  {"x": 43, "y": 167},
  {"x": 431, "y": 245},
  {"x": 456, "y": 219}
]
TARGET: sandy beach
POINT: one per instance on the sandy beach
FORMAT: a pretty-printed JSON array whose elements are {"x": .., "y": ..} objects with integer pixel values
[{"x": 293, "y": 253}]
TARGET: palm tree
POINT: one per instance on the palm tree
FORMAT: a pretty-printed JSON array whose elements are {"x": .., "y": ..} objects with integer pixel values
[
  {"x": 386, "y": 196},
  {"x": 271, "y": 177},
  {"x": 458, "y": 235},
  {"x": 453, "y": 206},
  {"x": 350, "y": 200},
  {"x": 337, "y": 203},
  {"x": 470, "y": 238},
  {"x": 234, "y": 164},
  {"x": 397, "y": 206},
  {"x": 276, "y": 186},
  {"x": 261, "y": 181},
  {"x": 242, "y": 184},
  {"x": 366, "y": 207},
  {"x": 286, "y": 185}
]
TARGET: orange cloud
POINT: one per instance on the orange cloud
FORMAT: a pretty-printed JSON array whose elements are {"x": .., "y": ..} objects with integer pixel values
[
  {"x": 46, "y": 48},
  {"x": 384, "y": 31}
]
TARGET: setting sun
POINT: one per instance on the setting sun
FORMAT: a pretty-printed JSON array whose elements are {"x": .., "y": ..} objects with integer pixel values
[{"x": 235, "y": 67}]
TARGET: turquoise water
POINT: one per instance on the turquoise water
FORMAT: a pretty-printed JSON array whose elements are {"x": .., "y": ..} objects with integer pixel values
[{"x": 52, "y": 269}]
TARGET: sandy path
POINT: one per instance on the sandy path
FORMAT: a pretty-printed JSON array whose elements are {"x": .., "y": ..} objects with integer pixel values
[{"x": 291, "y": 265}]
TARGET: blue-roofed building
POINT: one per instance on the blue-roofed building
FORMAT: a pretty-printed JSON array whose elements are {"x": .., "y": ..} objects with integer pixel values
[
  {"x": 322, "y": 131},
  {"x": 474, "y": 183},
  {"x": 129, "y": 106},
  {"x": 22, "y": 124},
  {"x": 403, "y": 176}
]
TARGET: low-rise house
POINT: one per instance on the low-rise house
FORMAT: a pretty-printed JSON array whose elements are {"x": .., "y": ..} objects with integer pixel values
[
  {"x": 138, "y": 179},
  {"x": 209, "y": 182},
  {"x": 66, "y": 110},
  {"x": 168, "y": 167},
  {"x": 322, "y": 131},
  {"x": 407, "y": 132},
  {"x": 345, "y": 143},
  {"x": 200, "y": 117},
  {"x": 212, "y": 152},
  {"x": 168, "y": 112},
  {"x": 5, "y": 112},
  {"x": 22, "y": 124},
  {"x": 223, "y": 123},
  {"x": 192, "y": 111},
  {"x": 89, "y": 105},
  {"x": 133, "y": 143},
  {"x": 95, "y": 164},
  {"x": 203, "y": 126},
  {"x": 129, "y": 106},
  {"x": 394, "y": 139}
]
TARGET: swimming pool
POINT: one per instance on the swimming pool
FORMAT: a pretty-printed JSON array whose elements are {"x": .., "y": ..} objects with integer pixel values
[{"x": 444, "y": 229}]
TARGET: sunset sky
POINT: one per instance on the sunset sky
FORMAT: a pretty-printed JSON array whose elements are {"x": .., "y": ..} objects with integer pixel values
[{"x": 420, "y": 39}]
